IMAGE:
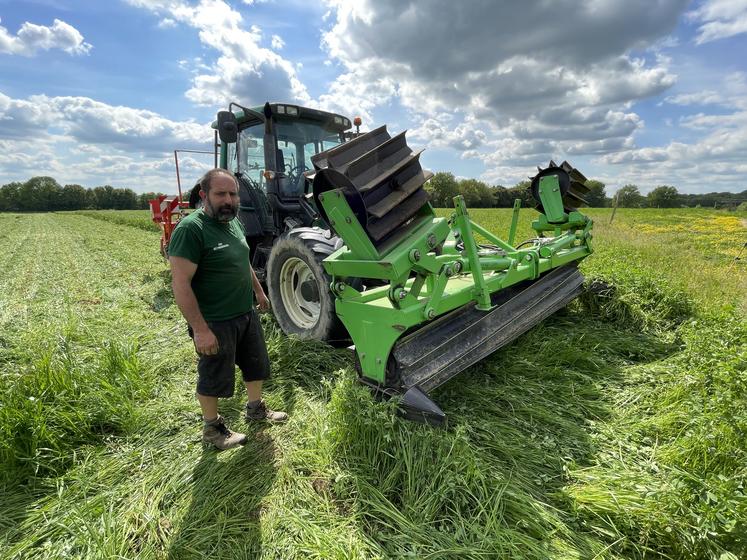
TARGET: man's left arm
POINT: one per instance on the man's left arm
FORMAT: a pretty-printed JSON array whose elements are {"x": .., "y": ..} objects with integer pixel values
[{"x": 259, "y": 293}]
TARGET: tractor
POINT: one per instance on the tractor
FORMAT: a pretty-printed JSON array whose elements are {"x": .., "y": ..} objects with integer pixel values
[{"x": 343, "y": 235}]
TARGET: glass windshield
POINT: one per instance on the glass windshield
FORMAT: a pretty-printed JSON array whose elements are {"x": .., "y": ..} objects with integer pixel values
[
  {"x": 297, "y": 141},
  {"x": 251, "y": 154}
]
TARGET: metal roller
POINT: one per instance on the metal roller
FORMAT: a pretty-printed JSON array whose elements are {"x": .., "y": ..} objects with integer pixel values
[
  {"x": 382, "y": 179},
  {"x": 572, "y": 182}
]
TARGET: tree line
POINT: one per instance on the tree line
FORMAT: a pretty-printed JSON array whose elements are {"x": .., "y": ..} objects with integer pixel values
[
  {"x": 666, "y": 196},
  {"x": 41, "y": 194},
  {"x": 443, "y": 187}
]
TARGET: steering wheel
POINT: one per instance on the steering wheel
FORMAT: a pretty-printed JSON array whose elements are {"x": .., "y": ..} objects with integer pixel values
[{"x": 293, "y": 173}]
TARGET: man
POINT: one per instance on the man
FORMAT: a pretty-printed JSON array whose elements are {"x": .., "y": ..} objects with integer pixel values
[{"x": 213, "y": 280}]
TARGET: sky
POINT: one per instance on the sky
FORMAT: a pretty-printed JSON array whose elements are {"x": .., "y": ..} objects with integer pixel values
[{"x": 648, "y": 92}]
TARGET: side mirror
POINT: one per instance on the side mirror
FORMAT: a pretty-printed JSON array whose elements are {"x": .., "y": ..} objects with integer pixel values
[
  {"x": 267, "y": 112},
  {"x": 228, "y": 129}
]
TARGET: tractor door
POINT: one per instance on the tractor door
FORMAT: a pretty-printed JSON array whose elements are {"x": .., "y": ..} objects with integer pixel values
[{"x": 254, "y": 211}]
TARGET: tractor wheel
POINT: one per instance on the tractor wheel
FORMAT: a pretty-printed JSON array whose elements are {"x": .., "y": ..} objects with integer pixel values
[{"x": 299, "y": 287}]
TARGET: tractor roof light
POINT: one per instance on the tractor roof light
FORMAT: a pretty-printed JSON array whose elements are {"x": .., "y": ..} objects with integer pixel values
[
  {"x": 290, "y": 110},
  {"x": 357, "y": 121}
]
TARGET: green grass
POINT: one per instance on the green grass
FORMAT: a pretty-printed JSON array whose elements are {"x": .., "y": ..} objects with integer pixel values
[
  {"x": 614, "y": 430},
  {"x": 135, "y": 218}
]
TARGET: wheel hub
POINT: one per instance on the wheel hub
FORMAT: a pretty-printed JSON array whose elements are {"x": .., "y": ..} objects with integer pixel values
[
  {"x": 300, "y": 293},
  {"x": 309, "y": 290}
]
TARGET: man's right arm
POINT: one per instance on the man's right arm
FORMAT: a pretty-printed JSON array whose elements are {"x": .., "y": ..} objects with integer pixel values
[{"x": 182, "y": 271}]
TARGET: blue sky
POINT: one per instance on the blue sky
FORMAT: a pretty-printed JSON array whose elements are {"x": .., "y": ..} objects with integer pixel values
[{"x": 644, "y": 92}]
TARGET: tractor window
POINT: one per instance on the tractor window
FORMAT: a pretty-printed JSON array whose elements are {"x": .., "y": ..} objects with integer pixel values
[
  {"x": 297, "y": 141},
  {"x": 251, "y": 154}
]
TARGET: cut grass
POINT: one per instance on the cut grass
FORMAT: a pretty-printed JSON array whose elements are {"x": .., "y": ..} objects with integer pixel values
[
  {"x": 136, "y": 218},
  {"x": 615, "y": 429}
]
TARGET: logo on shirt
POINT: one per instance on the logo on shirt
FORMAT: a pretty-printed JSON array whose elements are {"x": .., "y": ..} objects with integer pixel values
[{"x": 220, "y": 246}]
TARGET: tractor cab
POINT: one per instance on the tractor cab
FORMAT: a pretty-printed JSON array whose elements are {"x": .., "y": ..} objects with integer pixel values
[{"x": 269, "y": 150}]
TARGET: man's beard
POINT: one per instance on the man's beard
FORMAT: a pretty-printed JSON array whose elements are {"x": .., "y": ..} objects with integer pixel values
[{"x": 222, "y": 213}]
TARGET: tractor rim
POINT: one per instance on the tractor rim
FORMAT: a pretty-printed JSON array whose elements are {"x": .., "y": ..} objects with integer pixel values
[{"x": 300, "y": 304}]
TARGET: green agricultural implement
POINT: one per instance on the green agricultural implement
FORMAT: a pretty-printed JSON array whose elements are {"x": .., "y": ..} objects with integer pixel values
[{"x": 421, "y": 298}]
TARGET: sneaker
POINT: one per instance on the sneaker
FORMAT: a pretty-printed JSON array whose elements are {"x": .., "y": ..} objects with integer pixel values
[
  {"x": 216, "y": 433},
  {"x": 261, "y": 412}
]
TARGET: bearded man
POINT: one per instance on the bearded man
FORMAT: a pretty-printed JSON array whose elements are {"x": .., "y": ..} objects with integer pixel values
[{"x": 214, "y": 284}]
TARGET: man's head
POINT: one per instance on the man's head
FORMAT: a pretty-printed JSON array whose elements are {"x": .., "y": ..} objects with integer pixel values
[{"x": 220, "y": 194}]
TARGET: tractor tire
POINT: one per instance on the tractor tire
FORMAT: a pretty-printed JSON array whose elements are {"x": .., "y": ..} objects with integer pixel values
[{"x": 299, "y": 287}]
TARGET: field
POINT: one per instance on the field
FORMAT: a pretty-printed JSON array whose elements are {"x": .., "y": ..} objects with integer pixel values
[{"x": 616, "y": 429}]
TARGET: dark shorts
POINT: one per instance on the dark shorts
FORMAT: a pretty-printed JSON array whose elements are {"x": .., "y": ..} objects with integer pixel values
[{"x": 241, "y": 342}]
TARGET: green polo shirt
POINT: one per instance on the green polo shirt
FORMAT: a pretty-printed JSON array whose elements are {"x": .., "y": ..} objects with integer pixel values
[{"x": 223, "y": 281}]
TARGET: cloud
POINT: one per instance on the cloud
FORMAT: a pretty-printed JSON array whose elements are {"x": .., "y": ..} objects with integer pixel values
[
  {"x": 704, "y": 97},
  {"x": 713, "y": 162},
  {"x": 357, "y": 93},
  {"x": 731, "y": 93},
  {"x": 437, "y": 133},
  {"x": 719, "y": 19},
  {"x": 244, "y": 71},
  {"x": 32, "y": 38},
  {"x": 709, "y": 162},
  {"x": 277, "y": 42},
  {"x": 518, "y": 68},
  {"x": 77, "y": 139}
]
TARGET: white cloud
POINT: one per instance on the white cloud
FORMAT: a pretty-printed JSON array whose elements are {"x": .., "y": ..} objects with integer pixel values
[
  {"x": 357, "y": 93},
  {"x": 77, "y": 139},
  {"x": 32, "y": 38},
  {"x": 720, "y": 19},
  {"x": 437, "y": 133},
  {"x": 166, "y": 23},
  {"x": 731, "y": 93},
  {"x": 244, "y": 71},
  {"x": 277, "y": 42},
  {"x": 711, "y": 163},
  {"x": 703, "y": 97},
  {"x": 516, "y": 67}
]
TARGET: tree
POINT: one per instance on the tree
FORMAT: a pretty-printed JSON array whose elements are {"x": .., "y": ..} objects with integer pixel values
[
  {"x": 104, "y": 197},
  {"x": 143, "y": 198},
  {"x": 124, "y": 199},
  {"x": 73, "y": 197},
  {"x": 476, "y": 193},
  {"x": 596, "y": 197},
  {"x": 523, "y": 191},
  {"x": 443, "y": 187},
  {"x": 39, "y": 194},
  {"x": 9, "y": 197},
  {"x": 91, "y": 199},
  {"x": 501, "y": 197},
  {"x": 629, "y": 197},
  {"x": 663, "y": 196}
]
